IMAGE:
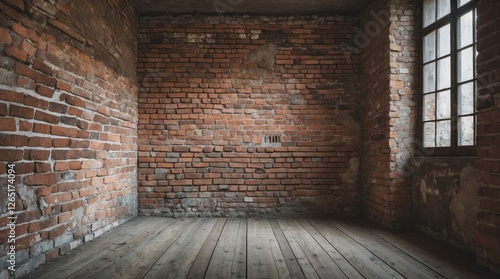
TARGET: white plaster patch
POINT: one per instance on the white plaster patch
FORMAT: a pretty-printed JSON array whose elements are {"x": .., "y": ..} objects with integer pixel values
[{"x": 423, "y": 190}]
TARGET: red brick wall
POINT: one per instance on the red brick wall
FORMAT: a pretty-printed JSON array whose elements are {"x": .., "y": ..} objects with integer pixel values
[
  {"x": 403, "y": 50},
  {"x": 213, "y": 87},
  {"x": 375, "y": 72},
  {"x": 388, "y": 46},
  {"x": 488, "y": 134},
  {"x": 68, "y": 106}
]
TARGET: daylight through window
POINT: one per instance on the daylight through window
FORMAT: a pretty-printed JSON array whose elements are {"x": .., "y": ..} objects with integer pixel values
[{"x": 449, "y": 76}]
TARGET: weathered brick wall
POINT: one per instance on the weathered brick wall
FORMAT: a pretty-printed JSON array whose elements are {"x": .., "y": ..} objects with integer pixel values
[
  {"x": 488, "y": 134},
  {"x": 213, "y": 87},
  {"x": 404, "y": 53},
  {"x": 375, "y": 72},
  {"x": 388, "y": 44},
  {"x": 68, "y": 106}
]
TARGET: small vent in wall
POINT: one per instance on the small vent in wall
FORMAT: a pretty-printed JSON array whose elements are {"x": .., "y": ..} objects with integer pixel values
[{"x": 274, "y": 140}]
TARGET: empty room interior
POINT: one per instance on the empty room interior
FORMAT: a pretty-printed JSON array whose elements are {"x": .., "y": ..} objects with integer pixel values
[{"x": 249, "y": 139}]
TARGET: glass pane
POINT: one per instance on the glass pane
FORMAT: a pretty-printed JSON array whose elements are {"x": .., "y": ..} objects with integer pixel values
[
  {"x": 429, "y": 77},
  {"x": 465, "y": 65},
  {"x": 465, "y": 30},
  {"x": 463, "y": 2},
  {"x": 444, "y": 41},
  {"x": 466, "y": 130},
  {"x": 466, "y": 98},
  {"x": 429, "y": 107},
  {"x": 443, "y": 105},
  {"x": 444, "y": 73},
  {"x": 475, "y": 24},
  {"x": 443, "y": 8},
  {"x": 429, "y": 12},
  {"x": 430, "y": 47},
  {"x": 443, "y": 133},
  {"x": 430, "y": 134}
]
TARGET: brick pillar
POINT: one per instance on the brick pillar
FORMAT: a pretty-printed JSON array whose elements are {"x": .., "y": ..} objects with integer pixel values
[
  {"x": 388, "y": 71},
  {"x": 488, "y": 134}
]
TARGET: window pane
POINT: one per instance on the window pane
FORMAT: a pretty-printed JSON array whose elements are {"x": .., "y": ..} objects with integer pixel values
[
  {"x": 475, "y": 27},
  {"x": 430, "y": 134},
  {"x": 443, "y": 133},
  {"x": 429, "y": 12},
  {"x": 429, "y": 77},
  {"x": 465, "y": 30},
  {"x": 443, "y": 105},
  {"x": 443, "y": 8},
  {"x": 430, "y": 47},
  {"x": 466, "y": 98},
  {"x": 444, "y": 41},
  {"x": 466, "y": 130},
  {"x": 462, "y": 2},
  {"x": 465, "y": 64},
  {"x": 444, "y": 73},
  {"x": 429, "y": 107}
]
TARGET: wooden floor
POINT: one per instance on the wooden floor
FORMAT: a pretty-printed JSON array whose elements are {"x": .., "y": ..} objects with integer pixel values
[{"x": 147, "y": 247}]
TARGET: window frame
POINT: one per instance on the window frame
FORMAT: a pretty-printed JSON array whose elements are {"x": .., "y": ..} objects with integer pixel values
[{"x": 451, "y": 18}]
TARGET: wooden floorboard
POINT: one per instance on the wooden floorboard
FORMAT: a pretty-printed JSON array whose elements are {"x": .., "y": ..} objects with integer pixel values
[
  {"x": 294, "y": 269},
  {"x": 205, "y": 254},
  {"x": 260, "y": 259},
  {"x": 403, "y": 263},
  {"x": 151, "y": 247}
]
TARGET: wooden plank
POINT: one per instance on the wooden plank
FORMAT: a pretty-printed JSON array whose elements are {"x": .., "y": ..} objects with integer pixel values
[
  {"x": 260, "y": 260},
  {"x": 325, "y": 267},
  {"x": 136, "y": 262},
  {"x": 229, "y": 258},
  {"x": 89, "y": 251},
  {"x": 369, "y": 265},
  {"x": 178, "y": 258},
  {"x": 200, "y": 265},
  {"x": 115, "y": 263},
  {"x": 337, "y": 257},
  {"x": 391, "y": 255},
  {"x": 292, "y": 264},
  {"x": 239, "y": 266},
  {"x": 415, "y": 246},
  {"x": 307, "y": 268},
  {"x": 279, "y": 260},
  {"x": 217, "y": 248}
]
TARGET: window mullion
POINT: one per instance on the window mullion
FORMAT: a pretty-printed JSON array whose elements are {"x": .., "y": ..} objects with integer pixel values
[
  {"x": 454, "y": 78},
  {"x": 474, "y": 27}
]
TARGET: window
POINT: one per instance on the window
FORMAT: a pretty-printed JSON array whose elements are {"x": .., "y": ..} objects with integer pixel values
[{"x": 449, "y": 76}]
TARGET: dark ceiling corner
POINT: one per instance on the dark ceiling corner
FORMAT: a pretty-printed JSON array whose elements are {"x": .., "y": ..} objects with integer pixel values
[{"x": 159, "y": 7}]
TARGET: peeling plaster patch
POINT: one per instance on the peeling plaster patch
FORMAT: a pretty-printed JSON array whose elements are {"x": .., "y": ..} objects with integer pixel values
[
  {"x": 200, "y": 38},
  {"x": 465, "y": 203},
  {"x": 436, "y": 192},
  {"x": 448, "y": 197},
  {"x": 264, "y": 56},
  {"x": 27, "y": 195},
  {"x": 42, "y": 204},
  {"x": 352, "y": 174},
  {"x": 423, "y": 190}
]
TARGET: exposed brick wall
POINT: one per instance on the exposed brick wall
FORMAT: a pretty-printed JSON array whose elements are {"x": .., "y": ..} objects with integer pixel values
[
  {"x": 388, "y": 69},
  {"x": 375, "y": 72},
  {"x": 488, "y": 134},
  {"x": 403, "y": 39},
  {"x": 213, "y": 87},
  {"x": 68, "y": 106}
]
